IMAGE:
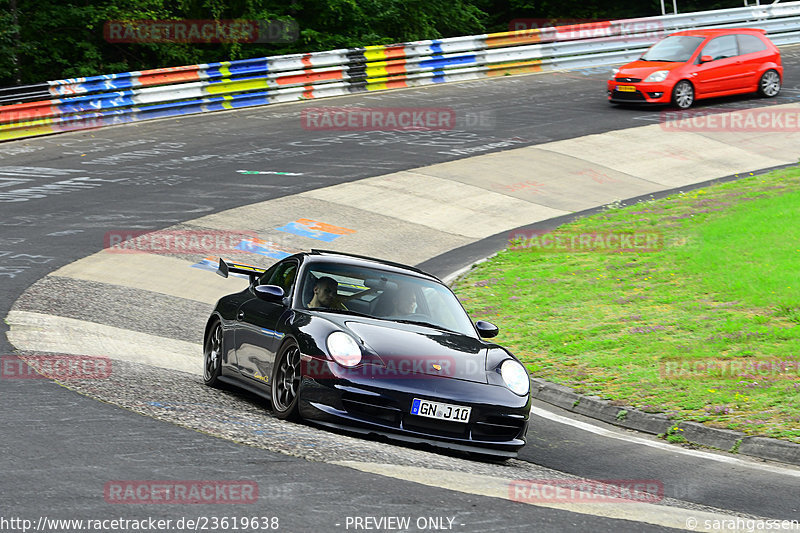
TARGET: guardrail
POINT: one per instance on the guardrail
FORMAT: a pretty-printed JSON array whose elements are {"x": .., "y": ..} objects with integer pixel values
[{"x": 91, "y": 102}]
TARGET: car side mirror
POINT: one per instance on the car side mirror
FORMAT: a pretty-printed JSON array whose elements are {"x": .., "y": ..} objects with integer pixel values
[
  {"x": 270, "y": 293},
  {"x": 706, "y": 59},
  {"x": 486, "y": 329}
]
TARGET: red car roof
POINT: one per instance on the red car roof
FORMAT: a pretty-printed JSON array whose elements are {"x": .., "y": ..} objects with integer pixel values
[{"x": 710, "y": 32}]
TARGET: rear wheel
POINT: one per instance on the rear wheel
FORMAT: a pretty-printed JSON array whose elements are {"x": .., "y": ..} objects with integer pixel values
[
  {"x": 770, "y": 84},
  {"x": 683, "y": 95},
  {"x": 286, "y": 382},
  {"x": 212, "y": 356}
]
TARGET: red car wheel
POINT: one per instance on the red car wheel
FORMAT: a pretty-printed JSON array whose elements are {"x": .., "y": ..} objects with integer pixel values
[{"x": 683, "y": 95}]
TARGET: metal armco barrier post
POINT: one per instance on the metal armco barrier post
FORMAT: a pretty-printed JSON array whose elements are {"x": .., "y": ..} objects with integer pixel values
[{"x": 96, "y": 101}]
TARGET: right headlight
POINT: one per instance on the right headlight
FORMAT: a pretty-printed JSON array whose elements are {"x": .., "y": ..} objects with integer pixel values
[
  {"x": 657, "y": 76},
  {"x": 515, "y": 377},
  {"x": 614, "y": 73}
]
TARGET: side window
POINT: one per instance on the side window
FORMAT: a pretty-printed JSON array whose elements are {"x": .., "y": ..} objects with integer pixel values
[
  {"x": 282, "y": 275},
  {"x": 749, "y": 44},
  {"x": 437, "y": 309},
  {"x": 721, "y": 47},
  {"x": 266, "y": 276}
]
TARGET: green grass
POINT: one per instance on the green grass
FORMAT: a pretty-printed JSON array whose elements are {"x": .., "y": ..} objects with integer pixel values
[{"x": 639, "y": 328}]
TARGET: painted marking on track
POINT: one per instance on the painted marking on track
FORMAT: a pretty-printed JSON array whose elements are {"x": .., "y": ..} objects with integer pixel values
[
  {"x": 12, "y": 182},
  {"x": 262, "y": 247},
  {"x": 537, "y": 411},
  {"x": 65, "y": 232},
  {"x": 12, "y": 272},
  {"x": 157, "y": 150},
  {"x": 48, "y": 189},
  {"x": 270, "y": 172},
  {"x": 36, "y": 172},
  {"x": 305, "y": 227},
  {"x": 595, "y": 175},
  {"x": 10, "y": 261}
]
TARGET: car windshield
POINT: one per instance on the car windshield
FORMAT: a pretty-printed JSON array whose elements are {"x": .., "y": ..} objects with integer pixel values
[
  {"x": 677, "y": 48},
  {"x": 376, "y": 293}
]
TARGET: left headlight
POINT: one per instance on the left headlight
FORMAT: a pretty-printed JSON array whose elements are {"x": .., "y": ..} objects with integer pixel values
[
  {"x": 614, "y": 73},
  {"x": 344, "y": 349},
  {"x": 657, "y": 76},
  {"x": 515, "y": 376}
]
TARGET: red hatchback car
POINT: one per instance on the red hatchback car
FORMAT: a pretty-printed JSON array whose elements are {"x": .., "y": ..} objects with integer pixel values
[{"x": 693, "y": 64}]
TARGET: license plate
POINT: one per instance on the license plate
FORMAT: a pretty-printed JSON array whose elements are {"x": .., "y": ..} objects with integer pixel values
[
  {"x": 440, "y": 411},
  {"x": 626, "y": 88}
]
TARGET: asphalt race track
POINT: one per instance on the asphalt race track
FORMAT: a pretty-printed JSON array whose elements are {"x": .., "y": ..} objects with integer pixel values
[{"x": 61, "y": 447}]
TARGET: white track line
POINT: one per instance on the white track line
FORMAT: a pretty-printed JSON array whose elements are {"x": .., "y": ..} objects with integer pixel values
[{"x": 767, "y": 467}]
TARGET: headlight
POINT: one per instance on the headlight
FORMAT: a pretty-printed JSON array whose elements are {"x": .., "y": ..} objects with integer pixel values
[
  {"x": 344, "y": 349},
  {"x": 614, "y": 73},
  {"x": 515, "y": 377},
  {"x": 657, "y": 76}
]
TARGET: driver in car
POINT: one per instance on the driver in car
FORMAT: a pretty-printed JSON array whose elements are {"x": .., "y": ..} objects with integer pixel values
[
  {"x": 326, "y": 294},
  {"x": 405, "y": 302}
]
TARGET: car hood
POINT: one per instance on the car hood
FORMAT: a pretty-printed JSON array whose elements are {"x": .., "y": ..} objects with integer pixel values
[
  {"x": 642, "y": 69},
  {"x": 408, "y": 349}
]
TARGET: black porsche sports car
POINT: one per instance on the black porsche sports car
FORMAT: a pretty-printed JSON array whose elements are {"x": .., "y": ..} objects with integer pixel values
[{"x": 368, "y": 346}]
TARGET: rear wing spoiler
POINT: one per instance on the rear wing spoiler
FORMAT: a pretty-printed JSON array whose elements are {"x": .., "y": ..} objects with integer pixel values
[{"x": 226, "y": 268}]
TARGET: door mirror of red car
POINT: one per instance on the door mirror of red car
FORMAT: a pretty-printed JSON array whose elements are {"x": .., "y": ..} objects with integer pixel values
[{"x": 706, "y": 59}]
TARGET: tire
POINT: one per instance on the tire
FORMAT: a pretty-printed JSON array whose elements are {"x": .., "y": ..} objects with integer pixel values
[
  {"x": 286, "y": 378},
  {"x": 770, "y": 84},
  {"x": 212, "y": 356},
  {"x": 683, "y": 95}
]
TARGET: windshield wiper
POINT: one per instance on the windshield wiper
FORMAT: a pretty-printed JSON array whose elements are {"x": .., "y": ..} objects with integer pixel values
[
  {"x": 388, "y": 319},
  {"x": 340, "y": 311},
  {"x": 426, "y": 324}
]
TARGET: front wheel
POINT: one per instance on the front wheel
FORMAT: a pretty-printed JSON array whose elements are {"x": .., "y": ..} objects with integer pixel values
[
  {"x": 770, "y": 84},
  {"x": 286, "y": 382},
  {"x": 212, "y": 356},
  {"x": 683, "y": 95}
]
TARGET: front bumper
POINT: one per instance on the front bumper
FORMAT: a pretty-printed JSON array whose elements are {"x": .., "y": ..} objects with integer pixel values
[
  {"x": 644, "y": 93},
  {"x": 497, "y": 426}
]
